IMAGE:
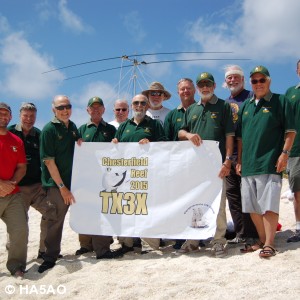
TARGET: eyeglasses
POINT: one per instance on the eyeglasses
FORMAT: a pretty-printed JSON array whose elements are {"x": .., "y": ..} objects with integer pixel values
[
  {"x": 120, "y": 109},
  {"x": 136, "y": 103},
  {"x": 62, "y": 107},
  {"x": 255, "y": 81},
  {"x": 202, "y": 84},
  {"x": 156, "y": 93}
]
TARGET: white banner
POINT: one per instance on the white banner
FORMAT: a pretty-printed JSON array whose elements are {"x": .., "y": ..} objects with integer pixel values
[{"x": 162, "y": 189}]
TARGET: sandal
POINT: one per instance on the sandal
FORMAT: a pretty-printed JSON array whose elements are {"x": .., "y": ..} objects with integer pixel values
[
  {"x": 252, "y": 248},
  {"x": 267, "y": 251}
]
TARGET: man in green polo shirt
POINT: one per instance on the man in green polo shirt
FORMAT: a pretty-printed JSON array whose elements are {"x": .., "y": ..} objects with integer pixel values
[
  {"x": 31, "y": 186},
  {"x": 293, "y": 169},
  {"x": 142, "y": 129},
  {"x": 210, "y": 119},
  {"x": 174, "y": 119},
  {"x": 56, "y": 151},
  {"x": 96, "y": 130},
  {"x": 266, "y": 132}
]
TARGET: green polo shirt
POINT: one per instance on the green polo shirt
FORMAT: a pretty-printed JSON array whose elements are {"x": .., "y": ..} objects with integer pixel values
[
  {"x": 293, "y": 94},
  {"x": 90, "y": 132},
  {"x": 173, "y": 122},
  {"x": 58, "y": 142},
  {"x": 32, "y": 149},
  {"x": 212, "y": 121},
  {"x": 262, "y": 128},
  {"x": 150, "y": 129}
]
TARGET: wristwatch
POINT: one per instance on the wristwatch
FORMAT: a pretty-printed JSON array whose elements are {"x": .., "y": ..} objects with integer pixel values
[
  {"x": 286, "y": 152},
  {"x": 61, "y": 185},
  {"x": 229, "y": 158}
]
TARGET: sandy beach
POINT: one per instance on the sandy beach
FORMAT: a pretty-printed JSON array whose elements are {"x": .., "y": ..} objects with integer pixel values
[{"x": 158, "y": 275}]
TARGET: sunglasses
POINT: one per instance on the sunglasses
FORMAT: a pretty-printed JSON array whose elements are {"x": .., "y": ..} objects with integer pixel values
[
  {"x": 136, "y": 103},
  {"x": 203, "y": 84},
  {"x": 62, "y": 107},
  {"x": 156, "y": 93},
  {"x": 255, "y": 81},
  {"x": 120, "y": 109}
]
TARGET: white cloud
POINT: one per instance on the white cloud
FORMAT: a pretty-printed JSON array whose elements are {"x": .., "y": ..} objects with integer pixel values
[
  {"x": 265, "y": 30},
  {"x": 45, "y": 11},
  {"x": 132, "y": 22},
  {"x": 23, "y": 66},
  {"x": 4, "y": 25},
  {"x": 70, "y": 20}
]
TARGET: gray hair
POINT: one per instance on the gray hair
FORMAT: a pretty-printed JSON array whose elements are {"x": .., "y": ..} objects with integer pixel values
[{"x": 28, "y": 106}]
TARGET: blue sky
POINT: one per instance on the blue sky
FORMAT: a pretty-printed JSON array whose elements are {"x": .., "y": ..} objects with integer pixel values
[{"x": 38, "y": 36}]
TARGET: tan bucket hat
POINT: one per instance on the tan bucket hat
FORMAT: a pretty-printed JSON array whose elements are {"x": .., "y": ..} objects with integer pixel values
[{"x": 157, "y": 86}]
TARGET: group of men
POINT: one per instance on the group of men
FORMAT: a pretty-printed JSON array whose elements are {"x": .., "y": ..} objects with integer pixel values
[{"x": 255, "y": 130}]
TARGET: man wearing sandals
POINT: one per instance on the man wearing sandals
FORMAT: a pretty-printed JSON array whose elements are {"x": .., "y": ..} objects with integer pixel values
[{"x": 266, "y": 133}]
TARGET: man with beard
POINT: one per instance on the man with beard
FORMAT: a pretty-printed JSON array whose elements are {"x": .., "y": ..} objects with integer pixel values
[
  {"x": 12, "y": 208},
  {"x": 210, "y": 119},
  {"x": 121, "y": 111},
  {"x": 142, "y": 129},
  {"x": 156, "y": 95},
  {"x": 96, "y": 130},
  {"x": 243, "y": 225}
]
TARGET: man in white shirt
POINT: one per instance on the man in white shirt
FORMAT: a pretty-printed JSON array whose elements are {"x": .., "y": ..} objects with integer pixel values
[
  {"x": 156, "y": 95},
  {"x": 121, "y": 111}
]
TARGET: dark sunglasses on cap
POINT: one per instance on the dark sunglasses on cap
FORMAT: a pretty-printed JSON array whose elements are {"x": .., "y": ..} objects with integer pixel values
[
  {"x": 120, "y": 109},
  {"x": 255, "y": 81},
  {"x": 62, "y": 107},
  {"x": 202, "y": 84},
  {"x": 156, "y": 93},
  {"x": 136, "y": 103}
]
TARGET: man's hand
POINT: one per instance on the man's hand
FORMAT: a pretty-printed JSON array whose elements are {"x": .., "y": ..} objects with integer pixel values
[
  {"x": 225, "y": 170},
  {"x": 67, "y": 196},
  {"x": 115, "y": 141},
  {"x": 144, "y": 141},
  {"x": 238, "y": 169},
  {"x": 7, "y": 186},
  {"x": 281, "y": 162},
  {"x": 194, "y": 138}
]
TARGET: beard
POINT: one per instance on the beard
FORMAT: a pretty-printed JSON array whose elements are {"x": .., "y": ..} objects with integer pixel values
[
  {"x": 206, "y": 97},
  {"x": 155, "y": 105},
  {"x": 139, "y": 115},
  {"x": 237, "y": 88}
]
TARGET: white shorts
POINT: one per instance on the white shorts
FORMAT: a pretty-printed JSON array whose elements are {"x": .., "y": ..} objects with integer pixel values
[{"x": 261, "y": 193}]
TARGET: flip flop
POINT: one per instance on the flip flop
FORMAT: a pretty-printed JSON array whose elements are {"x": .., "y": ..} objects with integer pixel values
[
  {"x": 267, "y": 251},
  {"x": 252, "y": 248}
]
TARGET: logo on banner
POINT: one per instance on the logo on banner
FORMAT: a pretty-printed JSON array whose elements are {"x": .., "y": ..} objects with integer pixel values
[
  {"x": 200, "y": 215},
  {"x": 119, "y": 176}
]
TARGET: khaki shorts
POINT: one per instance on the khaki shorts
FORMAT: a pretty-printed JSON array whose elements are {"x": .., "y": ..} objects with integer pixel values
[{"x": 261, "y": 193}]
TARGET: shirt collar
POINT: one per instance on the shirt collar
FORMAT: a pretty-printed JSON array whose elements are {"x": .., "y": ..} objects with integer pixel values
[
  {"x": 267, "y": 97},
  {"x": 90, "y": 123},
  {"x": 297, "y": 86},
  {"x": 212, "y": 100},
  {"x": 19, "y": 128}
]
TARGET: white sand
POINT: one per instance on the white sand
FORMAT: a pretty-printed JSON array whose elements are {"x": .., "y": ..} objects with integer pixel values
[{"x": 154, "y": 276}]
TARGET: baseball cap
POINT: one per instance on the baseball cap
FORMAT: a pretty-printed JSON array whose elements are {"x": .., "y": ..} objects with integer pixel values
[
  {"x": 5, "y": 106},
  {"x": 205, "y": 76},
  {"x": 260, "y": 69},
  {"x": 95, "y": 100}
]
